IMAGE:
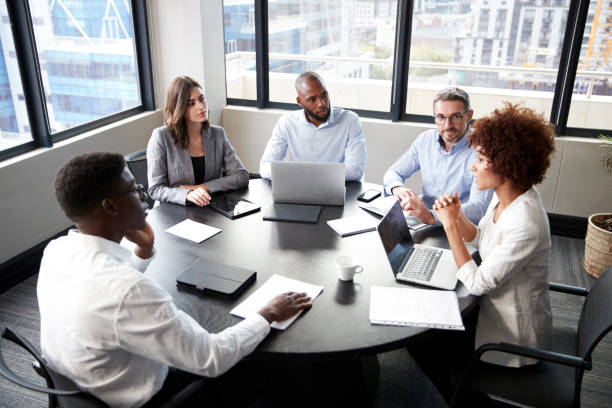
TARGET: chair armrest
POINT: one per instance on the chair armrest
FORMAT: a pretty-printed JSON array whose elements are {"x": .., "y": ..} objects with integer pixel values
[
  {"x": 572, "y": 290},
  {"x": 132, "y": 156},
  {"x": 533, "y": 352},
  {"x": 6, "y": 371},
  {"x": 516, "y": 349}
]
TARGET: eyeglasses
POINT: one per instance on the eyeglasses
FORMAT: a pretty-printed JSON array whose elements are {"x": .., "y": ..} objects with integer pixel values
[
  {"x": 454, "y": 118},
  {"x": 139, "y": 188}
]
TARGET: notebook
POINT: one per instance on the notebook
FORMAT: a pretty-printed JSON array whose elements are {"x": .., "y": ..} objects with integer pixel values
[
  {"x": 381, "y": 207},
  {"x": 293, "y": 212},
  {"x": 353, "y": 225},
  {"x": 308, "y": 182},
  {"x": 415, "y": 307},
  {"x": 415, "y": 263},
  {"x": 211, "y": 277}
]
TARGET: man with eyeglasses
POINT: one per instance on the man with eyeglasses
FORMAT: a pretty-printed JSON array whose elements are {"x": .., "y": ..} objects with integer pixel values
[
  {"x": 444, "y": 158},
  {"x": 107, "y": 326}
]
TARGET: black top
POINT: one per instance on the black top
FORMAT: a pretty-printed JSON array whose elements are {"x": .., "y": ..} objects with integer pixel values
[{"x": 198, "y": 168}]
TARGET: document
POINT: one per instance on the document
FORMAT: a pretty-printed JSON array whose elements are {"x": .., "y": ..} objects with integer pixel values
[
  {"x": 396, "y": 306},
  {"x": 274, "y": 286},
  {"x": 193, "y": 231},
  {"x": 353, "y": 225}
]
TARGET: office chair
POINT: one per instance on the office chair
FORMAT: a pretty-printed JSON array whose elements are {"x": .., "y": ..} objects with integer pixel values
[
  {"x": 556, "y": 380},
  {"x": 63, "y": 392},
  {"x": 137, "y": 164}
]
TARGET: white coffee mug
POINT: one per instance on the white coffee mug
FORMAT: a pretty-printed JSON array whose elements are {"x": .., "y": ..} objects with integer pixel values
[{"x": 347, "y": 267}]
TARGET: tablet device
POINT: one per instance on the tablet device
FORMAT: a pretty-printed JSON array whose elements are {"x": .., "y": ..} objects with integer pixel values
[
  {"x": 232, "y": 205},
  {"x": 211, "y": 277}
]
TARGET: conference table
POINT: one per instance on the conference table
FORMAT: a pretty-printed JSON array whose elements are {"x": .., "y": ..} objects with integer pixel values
[{"x": 338, "y": 324}]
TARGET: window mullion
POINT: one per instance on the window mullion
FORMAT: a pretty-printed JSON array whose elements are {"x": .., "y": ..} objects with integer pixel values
[
  {"x": 261, "y": 53},
  {"x": 25, "y": 49},
  {"x": 401, "y": 59}
]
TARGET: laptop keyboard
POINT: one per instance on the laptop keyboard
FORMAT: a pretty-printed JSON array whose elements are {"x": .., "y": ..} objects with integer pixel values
[{"x": 422, "y": 264}]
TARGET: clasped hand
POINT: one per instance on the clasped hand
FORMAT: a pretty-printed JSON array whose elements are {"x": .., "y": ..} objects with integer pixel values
[
  {"x": 447, "y": 208},
  {"x": 414, "y": 205},
  {"x": 199, "y": 195}
]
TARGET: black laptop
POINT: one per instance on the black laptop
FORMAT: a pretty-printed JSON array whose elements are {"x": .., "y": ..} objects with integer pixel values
[{"x": 211, "y": 277}]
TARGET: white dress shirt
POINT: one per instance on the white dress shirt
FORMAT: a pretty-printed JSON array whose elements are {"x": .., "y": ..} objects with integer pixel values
[
  {"x": 339, "y": 140},
  {"x": 513, "y": 276},
  {"x": 114, "y": 331}
]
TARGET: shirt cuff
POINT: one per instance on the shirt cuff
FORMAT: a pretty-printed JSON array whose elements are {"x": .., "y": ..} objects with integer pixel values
[
  {"x": 391, "y": 186},
  {"x": 466, "y": 275},
  {"x": 258, "y": 323},
  {"x": 141, "y": 264}
]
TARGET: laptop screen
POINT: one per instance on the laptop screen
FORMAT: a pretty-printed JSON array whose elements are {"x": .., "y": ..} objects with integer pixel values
[{"x": 395, "y": 236}]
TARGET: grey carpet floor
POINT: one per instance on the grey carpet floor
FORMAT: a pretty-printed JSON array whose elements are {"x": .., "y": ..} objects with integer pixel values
[{"x": 401, "y": 384}]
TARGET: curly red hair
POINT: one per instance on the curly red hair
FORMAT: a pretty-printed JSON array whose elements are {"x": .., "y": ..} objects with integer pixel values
[{"x": 518, "y": 143}]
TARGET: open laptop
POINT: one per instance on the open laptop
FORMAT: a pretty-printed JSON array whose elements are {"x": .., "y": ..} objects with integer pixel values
[
  {"x": 415, "y": 263},
  {"x": 308, "y": 182}
]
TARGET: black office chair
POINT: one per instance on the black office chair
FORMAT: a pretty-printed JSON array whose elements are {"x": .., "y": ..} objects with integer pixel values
[
  {"x": 63, "y": 392},
  {"x": 556, "y": 380},
  {"x": 137, "y": 163}
]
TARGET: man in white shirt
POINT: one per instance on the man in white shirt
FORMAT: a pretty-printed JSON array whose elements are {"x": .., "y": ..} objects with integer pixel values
[
  {"x": 107, "y": 326},
  {"x": 317, "y": 132}
]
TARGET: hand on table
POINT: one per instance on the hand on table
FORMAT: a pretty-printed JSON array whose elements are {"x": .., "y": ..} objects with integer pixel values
[
  {"x": 199, "y": 195},
  {"x": 144, "y": 239},
  {"x": 447, "y": 208},
  {"x": 282, "y": 307},
  {"x": 410, "y": 202}
]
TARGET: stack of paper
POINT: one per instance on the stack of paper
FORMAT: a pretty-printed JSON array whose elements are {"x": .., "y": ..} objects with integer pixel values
[
  {"x": 353, "y": 225},
  {"x": 193, "y": 231},
  {"x": 415, "y": 307},
  {"x": 273, "y": 287}
]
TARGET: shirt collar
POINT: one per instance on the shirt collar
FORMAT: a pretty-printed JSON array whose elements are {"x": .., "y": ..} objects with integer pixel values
[
  {"x": 460, "y": 145},
  {"x": 330, "y": 120},
  {"x": 100, "y": 244}
]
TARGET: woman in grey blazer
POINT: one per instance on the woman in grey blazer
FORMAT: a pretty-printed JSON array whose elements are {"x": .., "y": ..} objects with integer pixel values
[{"x": 188, "y": 159}]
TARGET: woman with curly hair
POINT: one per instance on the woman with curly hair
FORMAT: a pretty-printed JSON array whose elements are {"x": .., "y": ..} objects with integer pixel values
[
  {"x": 188, "y": 159},
  {"x": 513, "y": 146}
]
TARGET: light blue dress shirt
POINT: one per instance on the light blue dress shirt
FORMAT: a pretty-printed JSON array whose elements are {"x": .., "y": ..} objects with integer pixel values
[
  {"x": 441, "y": 172},
  {"x": 339, "y": 140}
]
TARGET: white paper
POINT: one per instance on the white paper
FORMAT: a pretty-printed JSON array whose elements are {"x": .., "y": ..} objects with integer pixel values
[
  {"x": 353, "y": 225},
  {"x": 380, "y": 206},
  {"x": 194, "y": 231},
  {"x": 415, "y": 307},
  {"x": 274, "y": 286}
]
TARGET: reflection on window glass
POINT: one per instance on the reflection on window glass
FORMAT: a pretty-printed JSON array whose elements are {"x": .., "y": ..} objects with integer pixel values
[
  {"x": 87, "y": 56},
  {"x": 592, "y": 97},
  {"x": 496, "y": 50},
  {"x": 239, "y": 28},
  {"x": 14, "y": 123},
  {"x": 349, "y": 43}
]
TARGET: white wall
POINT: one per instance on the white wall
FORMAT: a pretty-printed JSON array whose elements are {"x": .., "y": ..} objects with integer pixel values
[
  {"x": 575, "y": 183},
  {"x": 29, "y": 213}
]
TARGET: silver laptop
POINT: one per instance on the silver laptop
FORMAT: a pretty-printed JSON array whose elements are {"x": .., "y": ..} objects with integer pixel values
[
  {"x": 412, "y": 262},
  {"x": 308, "y": 182}
]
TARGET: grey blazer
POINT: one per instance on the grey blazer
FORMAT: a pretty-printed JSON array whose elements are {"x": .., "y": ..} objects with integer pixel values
[{"x": 169, "y": 166}]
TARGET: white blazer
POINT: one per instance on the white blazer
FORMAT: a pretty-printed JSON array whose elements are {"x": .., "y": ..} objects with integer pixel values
[{"x": 513, "y": 277}]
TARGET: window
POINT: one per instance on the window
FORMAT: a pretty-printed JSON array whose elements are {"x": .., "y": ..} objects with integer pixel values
[
  {"x": 94, "y": 68},
  {"x": 497, "y": 51},
  {"x": 593, "y": 81}
]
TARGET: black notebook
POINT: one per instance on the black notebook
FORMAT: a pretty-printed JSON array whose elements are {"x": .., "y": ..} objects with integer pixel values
[
  {"x": 293, "y": 212},
  {"x": 208, "y": 276}
]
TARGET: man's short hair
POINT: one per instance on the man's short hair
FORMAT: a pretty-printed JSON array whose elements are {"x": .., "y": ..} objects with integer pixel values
[
  {"x": 307, "y": 77},
  {"x": 87, "y": 179},
  {"x": 454, "y": 94}
]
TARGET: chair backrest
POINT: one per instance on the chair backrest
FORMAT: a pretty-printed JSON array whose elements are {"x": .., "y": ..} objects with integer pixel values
[
  {"x": 137, "y": 163},
  {"x": 62, "y": 391},
  {"x": 596, "y": 316}
]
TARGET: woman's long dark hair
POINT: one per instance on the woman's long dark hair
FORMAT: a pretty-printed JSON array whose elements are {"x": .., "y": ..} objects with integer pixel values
[{"x": 176, "y": 105}]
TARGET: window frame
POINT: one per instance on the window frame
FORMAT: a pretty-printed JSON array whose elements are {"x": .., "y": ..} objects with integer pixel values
[
  {"x": 572, "y": 43},
  {"x": 31, "y": 78}
]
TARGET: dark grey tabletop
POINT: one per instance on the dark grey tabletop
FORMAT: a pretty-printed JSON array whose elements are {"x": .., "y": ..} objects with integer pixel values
[{"x": 338, "y": 323}]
